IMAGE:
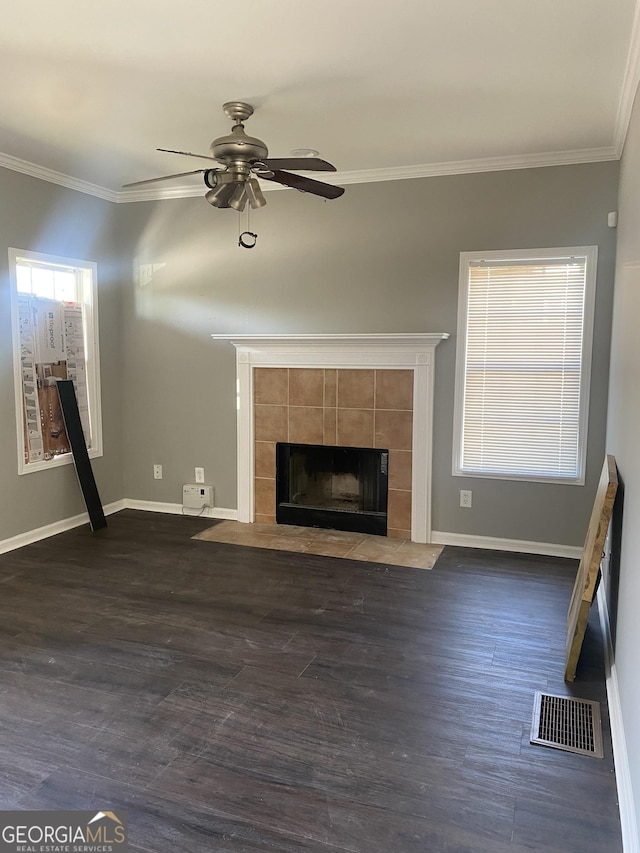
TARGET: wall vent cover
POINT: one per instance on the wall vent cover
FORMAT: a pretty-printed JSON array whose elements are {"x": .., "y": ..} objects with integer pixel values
[{"x": 563, "y": 722}]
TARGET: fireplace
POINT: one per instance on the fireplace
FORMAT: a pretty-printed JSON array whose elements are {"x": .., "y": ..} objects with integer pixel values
[
  {"x": 341, "y": 488},
  {"x": 348, "y": 390}
]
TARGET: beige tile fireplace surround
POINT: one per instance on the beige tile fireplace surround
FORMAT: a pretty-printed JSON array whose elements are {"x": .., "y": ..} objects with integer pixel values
[
  {"x": 342, "y": 407},
  {"x": 362, "y": 390}
]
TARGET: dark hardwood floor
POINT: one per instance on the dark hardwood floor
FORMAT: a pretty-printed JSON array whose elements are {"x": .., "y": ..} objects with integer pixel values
[{"x": 244, "y": 700}]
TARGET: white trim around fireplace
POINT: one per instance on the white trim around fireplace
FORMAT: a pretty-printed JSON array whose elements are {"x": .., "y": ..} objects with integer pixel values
[{"x": 414, "y": 351}]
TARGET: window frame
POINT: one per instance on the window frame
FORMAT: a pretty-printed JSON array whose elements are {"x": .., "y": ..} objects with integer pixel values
[
  {"x": 590, "y": 254},
  {"x": 89, "y": 301}
]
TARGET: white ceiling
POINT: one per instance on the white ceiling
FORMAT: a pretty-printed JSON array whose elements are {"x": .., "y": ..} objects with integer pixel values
[{"x": 382, "y": 89}]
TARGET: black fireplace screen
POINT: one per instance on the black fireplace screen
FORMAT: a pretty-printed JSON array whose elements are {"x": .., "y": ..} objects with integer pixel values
[{"x": 344, "y": 488}]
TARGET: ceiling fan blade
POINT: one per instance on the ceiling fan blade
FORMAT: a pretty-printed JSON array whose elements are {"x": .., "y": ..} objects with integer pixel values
[
  {"x": 165, "y": 178},
  {"x": 302, "y": 164},
  {"x": 305, "y": 185},
  {"x": 187, "y": 153}
]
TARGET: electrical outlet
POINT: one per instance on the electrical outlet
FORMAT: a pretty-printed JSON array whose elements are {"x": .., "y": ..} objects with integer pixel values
[
  {"x": 465, "y": 498},
  {"x": 199, "y": 475},
  {"x": 157, "y": 472}
]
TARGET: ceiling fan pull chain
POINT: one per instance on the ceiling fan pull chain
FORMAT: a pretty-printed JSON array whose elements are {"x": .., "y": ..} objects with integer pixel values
[{"x": 247, "y": 239}]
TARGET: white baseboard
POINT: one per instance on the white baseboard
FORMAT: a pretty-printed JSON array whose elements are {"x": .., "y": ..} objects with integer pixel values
[
  {"x": 628, "y": 820},
  {"x": 39, "y": 533},
  {"x": 64, "y": 524},
  {"x": 178, "y": 509},
  {"x": 437, "y": 537},
  {"x": 492, "y": 543}
]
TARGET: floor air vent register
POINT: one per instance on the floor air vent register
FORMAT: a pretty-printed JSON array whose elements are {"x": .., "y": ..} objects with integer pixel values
[{"x": 562, "y": 722}]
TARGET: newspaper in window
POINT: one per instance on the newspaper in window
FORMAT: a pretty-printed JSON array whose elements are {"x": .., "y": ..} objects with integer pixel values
[{"x": 51, "y": 348}]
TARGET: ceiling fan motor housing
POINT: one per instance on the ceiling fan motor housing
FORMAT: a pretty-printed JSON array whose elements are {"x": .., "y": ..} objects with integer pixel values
[{"x": 237, "y": 150}]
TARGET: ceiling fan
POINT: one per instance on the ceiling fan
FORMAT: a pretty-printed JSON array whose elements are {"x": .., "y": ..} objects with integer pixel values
[{"x": 244, "y": 159}]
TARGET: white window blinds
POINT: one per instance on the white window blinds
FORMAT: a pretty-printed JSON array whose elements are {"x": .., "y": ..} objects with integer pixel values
[{"x": 524, "y": 358}]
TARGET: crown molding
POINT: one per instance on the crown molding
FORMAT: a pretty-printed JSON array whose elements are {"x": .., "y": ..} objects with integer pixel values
[
  {"x": 53, "y": 177},
  {"x": 157, "y": 193},
  {"x": 364, "y": 176},
  {"x": 400, "y": 173},
  {"x": 483, "y": 164},
  {"x": 629, "y": 85}
]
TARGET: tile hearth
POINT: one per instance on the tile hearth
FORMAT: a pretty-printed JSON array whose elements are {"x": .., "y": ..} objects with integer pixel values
[{"x": 327, "y": 543}]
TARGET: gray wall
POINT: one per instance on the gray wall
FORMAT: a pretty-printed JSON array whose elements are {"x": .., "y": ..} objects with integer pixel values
[
  {"x": 622, "y": 442},
  {"x": 43, "y": 217},
  {"x": 384, "y": 258}
]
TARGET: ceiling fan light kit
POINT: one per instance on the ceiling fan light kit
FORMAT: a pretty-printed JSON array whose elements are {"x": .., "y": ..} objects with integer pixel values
[
  {"x": 254, "y": 194},
  {"x": 221, "y": 195},
  {"x": 244, "y": 159}
]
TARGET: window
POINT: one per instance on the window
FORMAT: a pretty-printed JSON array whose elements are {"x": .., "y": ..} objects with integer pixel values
[
  {"x": 55, "y": 336},
  {"x": 525, "y": 323}
]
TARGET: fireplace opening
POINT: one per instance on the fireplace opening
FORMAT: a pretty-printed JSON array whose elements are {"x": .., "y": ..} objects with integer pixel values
[{"x": 340, "y": 488}]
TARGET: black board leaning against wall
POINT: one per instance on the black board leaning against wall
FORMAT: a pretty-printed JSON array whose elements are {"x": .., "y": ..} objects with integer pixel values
[{"x": 73, "y": 425}]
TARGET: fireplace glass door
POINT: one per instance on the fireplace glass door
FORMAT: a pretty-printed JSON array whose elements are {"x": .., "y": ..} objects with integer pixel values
[{"x": 342, "y": 488}]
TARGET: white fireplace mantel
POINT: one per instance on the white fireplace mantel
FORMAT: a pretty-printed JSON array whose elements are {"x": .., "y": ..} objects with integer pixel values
[
  {"x": 402, "y": 339},
  {"x": 414, "y": 351}
]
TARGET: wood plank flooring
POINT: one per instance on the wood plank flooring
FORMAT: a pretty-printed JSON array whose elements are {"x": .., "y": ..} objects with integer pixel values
[{"x": 242, "y": 700}]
